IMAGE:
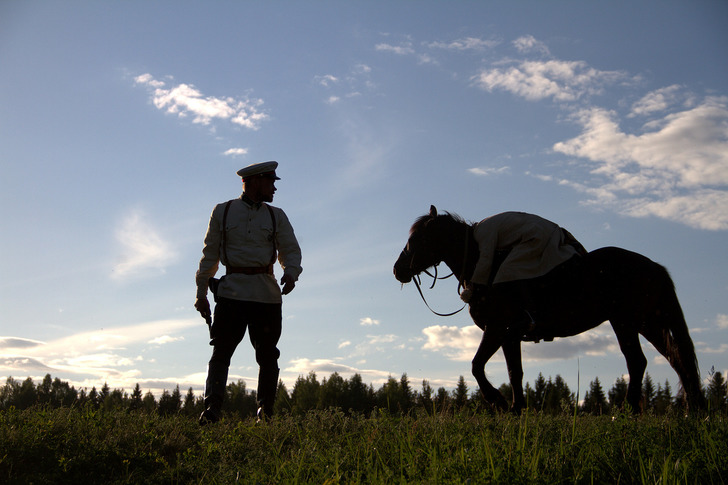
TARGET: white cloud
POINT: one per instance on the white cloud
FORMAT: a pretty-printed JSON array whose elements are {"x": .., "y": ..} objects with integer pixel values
[
  {"x": 401, "y": 50},
  {"x": 185, "y": 100},
  {"x": 536, "y": 80},
  {"x": 325, "y": 367},
  {"x": 676, "y": 169},
  {"x": 149, "y": 81},
  {"x": 344, "y": 344},
  {"x": 105, "y": 354},
  {"x": 164, "y": 339},
  {"x": 461, "y": 343},
  {"x": 236, "y": 152},
  {"x": 467, "y": 43},
  {"x": 368, "y": 321},
  {"x": 722, "y": 321},
  {"x": 528, "y": 43},
  {"x": 457, "y": 343},
  {"x": 350, "y": 85},
  {"x": 326, "y": 80},
  {"x": 718, "y": 348},
  {"x": 143, "y": 247},
  {"x": 489, "y": 171},
  {"x": 658, "y": 100},
  {"x": 16, "y": 343},
  {"x": 381, "y": 339}
]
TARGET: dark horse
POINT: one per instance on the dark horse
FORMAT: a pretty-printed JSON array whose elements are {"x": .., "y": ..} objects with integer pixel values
[{"x": 635, "y": 294}]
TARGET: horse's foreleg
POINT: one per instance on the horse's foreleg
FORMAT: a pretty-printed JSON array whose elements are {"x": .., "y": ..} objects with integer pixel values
[
  {"x": 629, "y": 342},
  {"x": 489, "y": 344},
  {"x": 512, "y": 353}
]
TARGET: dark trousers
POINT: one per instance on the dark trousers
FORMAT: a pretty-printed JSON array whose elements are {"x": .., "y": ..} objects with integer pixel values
[{"x": 232, "y": 319}]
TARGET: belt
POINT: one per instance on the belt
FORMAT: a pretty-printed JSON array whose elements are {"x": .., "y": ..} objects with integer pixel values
[{"x": 250, "y": 270}]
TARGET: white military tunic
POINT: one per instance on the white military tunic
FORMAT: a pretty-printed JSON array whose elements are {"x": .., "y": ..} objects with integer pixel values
[{"x": 249, "y": 232}]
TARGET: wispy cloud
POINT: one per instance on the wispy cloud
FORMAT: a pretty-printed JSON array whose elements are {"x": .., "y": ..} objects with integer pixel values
[
  {"x": 676, "y": 168},
  {"x": 349, "y": 85},
  {"x": 489, "y": 171},
  {"x": 465, "y": 44},
  {"x": 164, "y": 339},
  {"x": 381, "y": 339},
  {"x": 529, "y": 43},
  {"x": 461, "y": 343},
  {"x": 555, "y": 79},
  {"x": 403, "y": 49},
  {"x": 325, "y": 367},
  {"x": 186, "y": 100},
  {"x": 236, "y": 152},
  {"x": 658, "y": 100},
  {"x": 326, "y": 80},
  {"x": 142, "y": 247},
  {"x": 368, "y": 321},
  {"x": 18, "y": 343},
  {"x": 107, "y": 355}
]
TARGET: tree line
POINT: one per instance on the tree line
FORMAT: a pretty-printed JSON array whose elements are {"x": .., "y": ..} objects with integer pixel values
[{"x": 551, "y": 396}]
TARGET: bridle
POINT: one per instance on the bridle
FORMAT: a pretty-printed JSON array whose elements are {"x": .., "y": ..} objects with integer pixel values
[{"x": 417, "y": 280}]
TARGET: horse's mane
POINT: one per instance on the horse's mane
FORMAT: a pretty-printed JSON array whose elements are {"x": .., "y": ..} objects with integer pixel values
[{"x": 447, "y": 216}]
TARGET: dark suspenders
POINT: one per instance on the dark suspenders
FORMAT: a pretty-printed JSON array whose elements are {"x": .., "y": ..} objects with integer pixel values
[{"x": 254, "y": 270}]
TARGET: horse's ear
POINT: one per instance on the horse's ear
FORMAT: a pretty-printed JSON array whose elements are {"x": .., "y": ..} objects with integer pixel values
[{"x": 433, "y": 211}]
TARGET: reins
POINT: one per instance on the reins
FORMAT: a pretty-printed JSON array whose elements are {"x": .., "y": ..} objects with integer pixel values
[{"x": 416, "y": 279}]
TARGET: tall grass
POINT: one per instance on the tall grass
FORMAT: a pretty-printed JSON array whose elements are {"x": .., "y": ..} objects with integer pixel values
[{"x": 81, "y": 445}]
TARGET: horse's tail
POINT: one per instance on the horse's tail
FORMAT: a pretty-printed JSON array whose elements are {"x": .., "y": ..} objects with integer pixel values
[{"x": 679, "y": 346}]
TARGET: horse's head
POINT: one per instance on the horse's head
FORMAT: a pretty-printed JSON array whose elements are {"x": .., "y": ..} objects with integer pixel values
[{"x": 423, "y": 249}]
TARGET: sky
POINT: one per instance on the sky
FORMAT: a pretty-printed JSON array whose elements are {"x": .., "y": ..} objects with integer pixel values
[{"x": 123, "y": 124}]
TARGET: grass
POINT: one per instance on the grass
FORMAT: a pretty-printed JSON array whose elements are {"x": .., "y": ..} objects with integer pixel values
[{"x": 83, "y": 445}]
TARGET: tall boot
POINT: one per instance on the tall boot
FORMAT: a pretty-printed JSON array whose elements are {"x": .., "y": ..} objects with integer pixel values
[
  {"x": 267, "y": 387},
  {"x": 214, "y": 393}
]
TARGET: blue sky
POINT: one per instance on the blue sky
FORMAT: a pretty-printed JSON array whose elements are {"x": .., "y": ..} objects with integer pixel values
[{"x": 123, "y": 124}]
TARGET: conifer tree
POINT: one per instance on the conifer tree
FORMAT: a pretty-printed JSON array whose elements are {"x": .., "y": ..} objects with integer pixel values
[
  {"x": 648, "y": 393},
  {"x": 460, "y": 394},
  {"x": 595, "y": 401},
  {"x": 305, "y": 393},
  {"x": 135, "y": 402},
  {"x": 618, "y": 393},
  {"x": 425, "y": 397},
  {"x": 717, "y": 392}
]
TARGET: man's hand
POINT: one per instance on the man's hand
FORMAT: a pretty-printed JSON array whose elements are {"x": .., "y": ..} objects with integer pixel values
[
  {"x": 288, "y": 283},
  {"x": 203, "y": 306}
]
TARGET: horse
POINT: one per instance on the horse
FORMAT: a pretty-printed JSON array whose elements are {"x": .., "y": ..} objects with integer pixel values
[{"x": 635, "y": 294}]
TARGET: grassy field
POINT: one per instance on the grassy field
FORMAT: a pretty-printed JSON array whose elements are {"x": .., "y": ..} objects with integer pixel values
[{"x": 88, "y": 446}]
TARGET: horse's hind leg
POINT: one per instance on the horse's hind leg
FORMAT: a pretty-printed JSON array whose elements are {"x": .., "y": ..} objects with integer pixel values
[
  {"x": 629, "y": 342},
  {"x": 686, "y": 369},
  {"x": 512, "y": 353}
]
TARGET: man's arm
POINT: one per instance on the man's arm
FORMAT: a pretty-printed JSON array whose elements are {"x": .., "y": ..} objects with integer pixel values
[
  {"x": 289, "y": 253},
  {"x": 209, "y": 263}
]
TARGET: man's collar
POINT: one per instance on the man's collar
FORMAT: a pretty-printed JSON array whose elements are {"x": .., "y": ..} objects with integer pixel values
[{"x": 250, "y": 201}]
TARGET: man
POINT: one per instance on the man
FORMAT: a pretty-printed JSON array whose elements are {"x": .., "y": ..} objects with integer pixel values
[
  {"x": 246, "y": 235},
  {"x": 535, "y": 247}
]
